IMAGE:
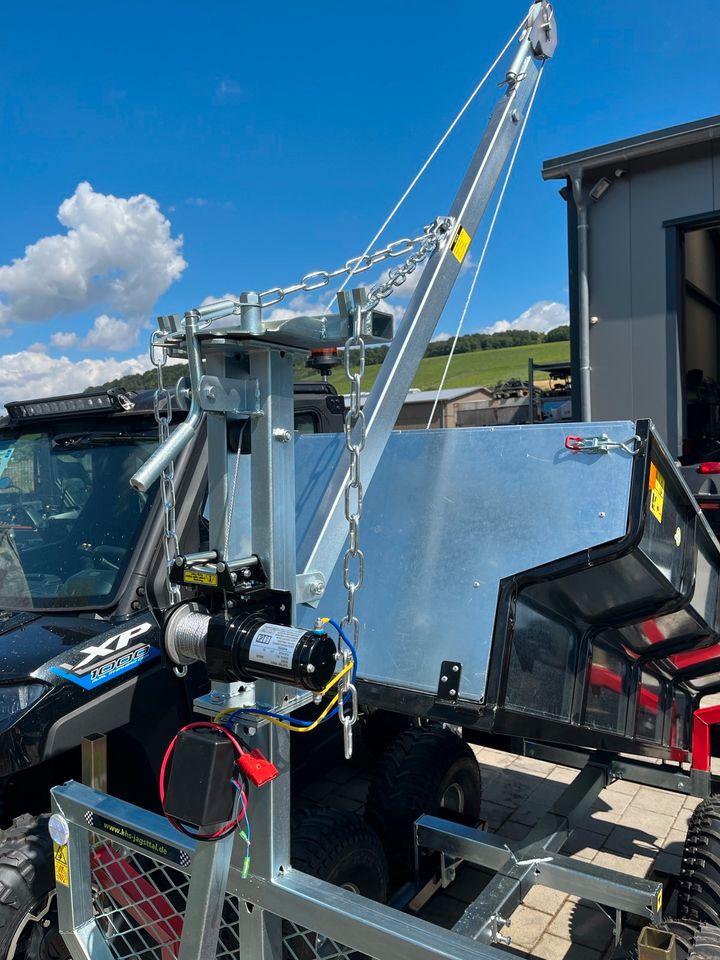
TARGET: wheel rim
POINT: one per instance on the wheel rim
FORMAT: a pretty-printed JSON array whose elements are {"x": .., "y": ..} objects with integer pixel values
[
  {"x": 453, "y": 798},
  {"x": 352, "y": 887},
  {"x": 37, "y": 935}
]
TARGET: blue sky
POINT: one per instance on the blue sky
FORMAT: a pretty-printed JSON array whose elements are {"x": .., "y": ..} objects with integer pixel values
[{"x": 273, "y": 139}]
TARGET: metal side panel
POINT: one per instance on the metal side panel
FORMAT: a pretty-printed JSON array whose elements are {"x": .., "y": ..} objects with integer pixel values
[{"x": 450, "y": 513}]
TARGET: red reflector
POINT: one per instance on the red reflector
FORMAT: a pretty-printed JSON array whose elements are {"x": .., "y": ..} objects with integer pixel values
[
  {"x": 711, "y": 467},
  {"x": 710, "y": 506}
]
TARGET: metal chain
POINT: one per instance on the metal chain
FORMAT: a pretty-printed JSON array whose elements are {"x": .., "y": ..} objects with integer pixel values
[
  {"x": 399, "y": 248},
  {"x": 396, "y": 278},
  {"x": 354, "y": 429},
  {"x": 163, "y": 418}
]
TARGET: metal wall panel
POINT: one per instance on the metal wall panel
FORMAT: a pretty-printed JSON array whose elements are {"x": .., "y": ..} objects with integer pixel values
[
  {"x": 634, "y": 353},
  {"x": 448, "y": 515},
  {"x": 611, "y": 353}
]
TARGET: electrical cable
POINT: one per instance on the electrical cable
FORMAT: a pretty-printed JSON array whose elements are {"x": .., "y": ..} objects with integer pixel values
[
  {"x": 245, "y": 834},
  {"x": 436, "y": 149},
  {"x": 485, "y": 247},
  {"x": 239, "y": 749}
]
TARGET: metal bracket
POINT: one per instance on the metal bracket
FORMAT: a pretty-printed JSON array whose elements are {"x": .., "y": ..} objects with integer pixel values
[
  {"x": 222, "y": 395},
  {"x": 496, "y": 924},
  {"x": 309, "y": 588},
  {"x": 449, "y": 682}
]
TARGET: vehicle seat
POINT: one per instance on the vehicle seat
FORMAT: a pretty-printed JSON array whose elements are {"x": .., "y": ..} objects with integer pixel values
[{"x": 89, "y": 583}]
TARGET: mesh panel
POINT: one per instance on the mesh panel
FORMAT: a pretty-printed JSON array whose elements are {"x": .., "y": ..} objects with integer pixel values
[{"x": 139, "y": 905}]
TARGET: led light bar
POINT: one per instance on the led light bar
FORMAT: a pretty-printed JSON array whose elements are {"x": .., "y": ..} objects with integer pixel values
[{"x": 73, "y": 403}]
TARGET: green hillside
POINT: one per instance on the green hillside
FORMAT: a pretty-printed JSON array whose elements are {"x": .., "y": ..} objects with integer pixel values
[{"x": 483, "y": 368}]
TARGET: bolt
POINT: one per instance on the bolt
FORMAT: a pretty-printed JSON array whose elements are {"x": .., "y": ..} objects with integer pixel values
[
  {"x": 316, "y": 588},
  {"x": 233, "y": 577},
  {"x": 443, "y": 679},
  {"x": 216, "y": 696},
  {"x": 178, "y": 561},
  {"x": 602, "y": 514},
  {"x": 476, "y": 584},
  {"x": 453, "y": 692},
  {"x": 282, "y": 435},
  {"x": 455, "y": 668},
  {"x": 46, "y": 924},
  {"x": 246, "y": 572},
  {"x": 221, "y": 567},
  {"x": 310, "y": 668},
  {"x": 210, "y": 394}
]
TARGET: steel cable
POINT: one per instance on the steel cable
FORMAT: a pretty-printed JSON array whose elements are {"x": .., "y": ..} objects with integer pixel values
[{"x": 485, "y": 246}]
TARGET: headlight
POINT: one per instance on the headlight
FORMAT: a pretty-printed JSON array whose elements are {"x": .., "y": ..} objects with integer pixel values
[{"x": 15, "y": 699}]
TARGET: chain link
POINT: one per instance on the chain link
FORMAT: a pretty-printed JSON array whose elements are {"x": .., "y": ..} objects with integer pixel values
[
  {"x": 396, "y": 278},
  {"x": 354, "y": 430},
  {"x": 162, "y": 408},
  {"x": 318, "y": 279}
]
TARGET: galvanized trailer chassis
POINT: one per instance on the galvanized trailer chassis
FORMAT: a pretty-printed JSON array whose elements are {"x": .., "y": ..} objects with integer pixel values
[{"x": 128, "y": 883}]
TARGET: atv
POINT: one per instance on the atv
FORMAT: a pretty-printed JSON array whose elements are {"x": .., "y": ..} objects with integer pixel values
[{"x": 81, "y": 570}]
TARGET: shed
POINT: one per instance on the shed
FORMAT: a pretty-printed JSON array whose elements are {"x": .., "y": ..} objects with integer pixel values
[{"x": 644, "y": 254}]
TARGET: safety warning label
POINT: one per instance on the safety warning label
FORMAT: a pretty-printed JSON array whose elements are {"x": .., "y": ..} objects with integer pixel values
[
  {"x": 657, "y": 493},
  {"x": 460, "y": 244},
  {"x": 62, "y": 869}
]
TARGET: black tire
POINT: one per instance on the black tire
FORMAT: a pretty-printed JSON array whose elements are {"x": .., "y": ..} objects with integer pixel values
[
  {"x": 27, "y": 888},
  {"x": 424, "y": 771},
  {"x": 699, "y": 883},
  {"x": 343, "y": 850},
  {"x": 381, "y": 727}
]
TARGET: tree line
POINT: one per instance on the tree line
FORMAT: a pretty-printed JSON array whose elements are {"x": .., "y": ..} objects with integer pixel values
[{"x": 469, "y": 343}]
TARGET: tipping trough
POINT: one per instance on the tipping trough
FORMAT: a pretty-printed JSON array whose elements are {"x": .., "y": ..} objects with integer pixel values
[{"x": 567, "y": 595}]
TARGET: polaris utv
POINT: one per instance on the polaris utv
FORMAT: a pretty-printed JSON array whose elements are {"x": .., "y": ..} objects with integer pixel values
[{"x": 81, "y": 567}]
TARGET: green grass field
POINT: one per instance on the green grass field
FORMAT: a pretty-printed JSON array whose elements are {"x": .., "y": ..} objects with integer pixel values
[{"x": 483, "y": 368}]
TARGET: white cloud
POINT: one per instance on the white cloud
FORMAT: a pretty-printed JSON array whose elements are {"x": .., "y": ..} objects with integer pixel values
[
  {"x": 32, "y": 374},
  {"x": 541, "y": 317},
  {"x": 64, "y": 340},
  {"x": 117, "y": 252}
]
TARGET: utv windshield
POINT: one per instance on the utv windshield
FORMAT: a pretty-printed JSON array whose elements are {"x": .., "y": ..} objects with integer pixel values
[{"x": 69, "y": 519}]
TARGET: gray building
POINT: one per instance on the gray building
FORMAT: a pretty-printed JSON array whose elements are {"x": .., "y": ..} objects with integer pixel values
[{"x": 644, "y": 256}]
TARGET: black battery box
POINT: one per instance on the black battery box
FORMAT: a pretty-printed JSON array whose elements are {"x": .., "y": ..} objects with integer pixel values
[{"x": 199, "y": 790}]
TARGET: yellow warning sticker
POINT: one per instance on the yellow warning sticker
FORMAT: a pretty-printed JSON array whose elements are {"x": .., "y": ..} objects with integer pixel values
[
  {"x": 657, "y": 493},
  {"x": 460, "y": 244},
  {"x": 206, "y": 579},
  {"x": 659, "y": 900},
  {"x": 62, "y": 868}
]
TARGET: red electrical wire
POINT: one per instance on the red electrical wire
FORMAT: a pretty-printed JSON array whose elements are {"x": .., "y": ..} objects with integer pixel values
[{"x": 239, "y": 749}]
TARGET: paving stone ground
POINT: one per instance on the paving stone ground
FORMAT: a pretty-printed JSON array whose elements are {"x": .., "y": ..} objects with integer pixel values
[{"x": 639, "y": 831}]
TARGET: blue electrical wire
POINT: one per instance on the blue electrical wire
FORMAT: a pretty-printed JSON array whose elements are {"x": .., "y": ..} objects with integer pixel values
[{"x": 231, "y": 718}]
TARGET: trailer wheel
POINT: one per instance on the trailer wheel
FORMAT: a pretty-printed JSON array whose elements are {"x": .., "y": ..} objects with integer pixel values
[
  {"x": 699, "y": 884},
  {"x": 28, "y": 916},
  {"x": 343, "y": 850},
  {"x": 424, "y": 771}
]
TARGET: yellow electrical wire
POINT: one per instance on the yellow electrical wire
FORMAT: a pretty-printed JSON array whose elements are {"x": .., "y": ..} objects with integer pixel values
[{"x": 288, "y": 726}]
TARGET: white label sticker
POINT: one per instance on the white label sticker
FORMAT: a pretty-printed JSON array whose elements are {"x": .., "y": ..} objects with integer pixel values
[{"x": 275, "y": 645}]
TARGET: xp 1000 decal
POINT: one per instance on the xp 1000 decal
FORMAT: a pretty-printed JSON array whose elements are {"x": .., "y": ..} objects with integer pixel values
[{"x": 111, "y": 658}]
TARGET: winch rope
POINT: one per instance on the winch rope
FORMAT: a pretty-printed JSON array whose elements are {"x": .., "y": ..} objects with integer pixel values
[
  {"x": 436, "y": 149},
  {"x": 491, "y": 228}
]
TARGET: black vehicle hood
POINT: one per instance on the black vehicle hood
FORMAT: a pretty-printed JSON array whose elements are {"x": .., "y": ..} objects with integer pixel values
[{"x": 30, "y": 642}]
